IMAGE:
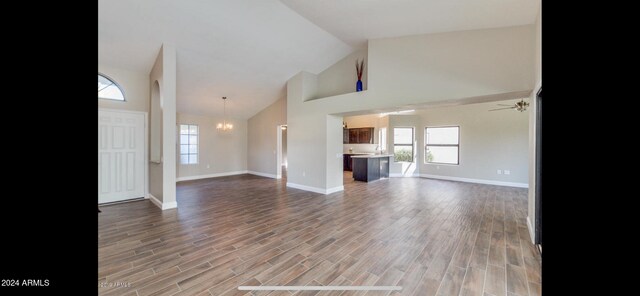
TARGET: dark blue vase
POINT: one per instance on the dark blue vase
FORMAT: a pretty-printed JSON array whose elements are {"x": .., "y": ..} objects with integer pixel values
[{"x": 359, "y": 85}]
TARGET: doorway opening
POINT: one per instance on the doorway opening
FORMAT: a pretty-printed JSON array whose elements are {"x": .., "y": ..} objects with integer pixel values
[{"x": 281, "y": 158}]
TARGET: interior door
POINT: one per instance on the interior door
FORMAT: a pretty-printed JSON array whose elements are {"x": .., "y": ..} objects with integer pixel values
[{"x": 120, "y": 155}]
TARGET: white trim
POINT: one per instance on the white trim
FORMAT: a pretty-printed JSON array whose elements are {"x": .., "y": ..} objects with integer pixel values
[
  {"x": 264, "y": 175},
  {"x": 159, "y": 204},
  {"x": 334, "y": 189},
  {"x": 197, "y": 177},
  {"x": 169, "y": 205},
  {"x": 154, "y": 200},
  {"x": 479, "y": 181},
  {"x": 315, "y": 189},
  {"x": 400, "y": 175},
  {"x": 531, "y": 233}
]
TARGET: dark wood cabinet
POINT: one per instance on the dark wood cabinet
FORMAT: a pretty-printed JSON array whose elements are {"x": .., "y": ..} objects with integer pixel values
[
  {"x": 370, "y": 168},
  {"x": 346, "y": 162},
  {"x": 365, "y": 135},
  {"x": 361, "y": 135},
  {"x": 353, "y": 135}
]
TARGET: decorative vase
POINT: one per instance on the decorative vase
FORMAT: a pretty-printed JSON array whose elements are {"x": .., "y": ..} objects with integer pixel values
[{"x": 359, "y": 85}]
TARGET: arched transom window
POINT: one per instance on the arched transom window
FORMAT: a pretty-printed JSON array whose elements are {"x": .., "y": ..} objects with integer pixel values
[{"x": 109, "y": 89}]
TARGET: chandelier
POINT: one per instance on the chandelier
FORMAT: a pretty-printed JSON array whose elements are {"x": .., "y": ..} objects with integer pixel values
[{"x": 224, "y": 126}]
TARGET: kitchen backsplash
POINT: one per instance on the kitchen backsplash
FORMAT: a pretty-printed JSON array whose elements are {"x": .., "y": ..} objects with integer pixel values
[{"x": 359, "y": 148}]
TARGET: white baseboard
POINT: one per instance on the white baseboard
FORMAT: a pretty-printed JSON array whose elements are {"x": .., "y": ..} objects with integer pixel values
[
  {"x": 315, "y": 189},
  {"x": 479, "y": 181},
  {"x": 169, "y": 205},
  {"x": 161, "y": 205},
  {"x": 531, "y": 233},
  {"x": 154, "y": 200},
  {"x": 397, "y": 175},
  {"x": 188, "y": 178},
  {"x": 334, "y": 189},
  {"x": 263, "y": 174}
]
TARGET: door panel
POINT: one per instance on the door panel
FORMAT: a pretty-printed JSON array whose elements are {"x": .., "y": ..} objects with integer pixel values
[{"x": 120, "y": 156}]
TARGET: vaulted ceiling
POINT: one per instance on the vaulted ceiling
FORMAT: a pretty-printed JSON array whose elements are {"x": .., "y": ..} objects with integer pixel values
[
  {"x": 356, "y": 21},
  {"x": 248, "y": 49}
]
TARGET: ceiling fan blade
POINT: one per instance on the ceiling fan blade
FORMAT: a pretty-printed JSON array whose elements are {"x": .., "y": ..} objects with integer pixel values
[{"x": 502, "y": 109}]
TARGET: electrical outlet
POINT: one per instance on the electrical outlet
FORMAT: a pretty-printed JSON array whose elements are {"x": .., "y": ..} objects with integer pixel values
[
  {"x": 499, "y": 172},
  {"x": 208, "y": 166},
  {"x": 338, "y": 155},
  {"x": 304, "y": 174},
  {"x": 437, "y": 167},
  {"x": 507, "y": 172}
]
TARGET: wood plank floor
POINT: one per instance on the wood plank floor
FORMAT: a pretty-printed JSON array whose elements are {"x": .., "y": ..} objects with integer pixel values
[{"x": 431, "y": 237}]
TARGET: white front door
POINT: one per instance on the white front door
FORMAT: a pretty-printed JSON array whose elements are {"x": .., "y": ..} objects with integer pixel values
[{"x": 120, "y": 155}]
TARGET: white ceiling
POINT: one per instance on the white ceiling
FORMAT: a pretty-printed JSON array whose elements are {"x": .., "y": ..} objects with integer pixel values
[
  {"x": 248, "y": 49},
  {"x": 243, "y": 49},
  {"x": 355, "y": 21}
]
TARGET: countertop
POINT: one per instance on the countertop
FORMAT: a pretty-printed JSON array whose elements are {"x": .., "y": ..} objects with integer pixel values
[{"x": 372, "y": 156}]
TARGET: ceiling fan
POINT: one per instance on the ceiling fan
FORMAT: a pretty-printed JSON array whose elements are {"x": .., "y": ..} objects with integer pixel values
[{"x": 520, "y": 106}]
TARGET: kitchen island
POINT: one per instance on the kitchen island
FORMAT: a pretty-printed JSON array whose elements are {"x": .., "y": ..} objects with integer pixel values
[
  {"x": 347, "y": 163},
  {"x": 369, "y": 168}
]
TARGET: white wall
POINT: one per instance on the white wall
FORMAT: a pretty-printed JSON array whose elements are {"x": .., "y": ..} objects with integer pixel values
[
  {"x": 489, "y": 141},
  {"x": 341, "y": 77},
  {"x": 334, "y": 167},
  {"x": 452, "y": 65},
  {"x": 262, "y": 138},
  {"x": 218, "y": 154},
  {"x": 532, "y": 125},
  {"x": 490, "y": 64},
  {"x": 307, "y": 136},
  {"x": 155, "y": 131},
  {"x": 135, "y": 86},
  {"x": 162, "y": 176},
  {"x": 372, "y": 120}
]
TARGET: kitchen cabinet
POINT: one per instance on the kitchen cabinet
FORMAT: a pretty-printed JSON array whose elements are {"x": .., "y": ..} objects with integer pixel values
[
  {"x": 361, "y": 135},
  {"x": 365, "y": 135},
  {"x": 369, "y": 168},
  {"x": 347, "y": 162}
]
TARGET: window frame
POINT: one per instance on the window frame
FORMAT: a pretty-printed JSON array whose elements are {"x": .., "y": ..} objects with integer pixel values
[
  {"x": 382, "y": 138},
  {"x": 413, "y": 141},
  {"x": 441, "y": 145},
  {"x": 189, "y": 134},
  {"x": 124, "y": 96}
]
